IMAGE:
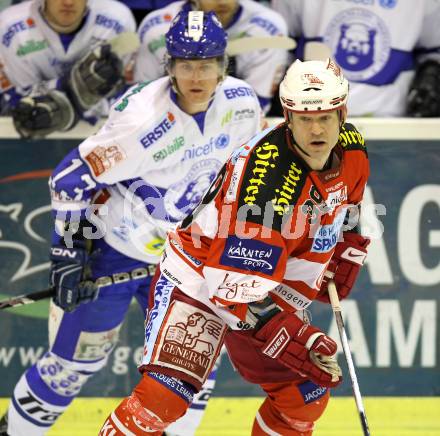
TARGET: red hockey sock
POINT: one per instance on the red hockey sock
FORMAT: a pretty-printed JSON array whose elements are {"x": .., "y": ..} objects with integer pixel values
[{"x": 147, "y": 411}]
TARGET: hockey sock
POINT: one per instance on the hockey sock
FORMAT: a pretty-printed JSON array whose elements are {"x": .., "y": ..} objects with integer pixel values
[{"x": 157, "y": 401}]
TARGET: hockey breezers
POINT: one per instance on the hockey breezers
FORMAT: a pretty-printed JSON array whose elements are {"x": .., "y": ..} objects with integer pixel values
[{"x": 136, "y": 274}]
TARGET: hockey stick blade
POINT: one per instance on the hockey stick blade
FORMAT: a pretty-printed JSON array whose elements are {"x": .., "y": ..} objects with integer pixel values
[
  {"x": 125, "y": 43},
  {"x": 316, "y": 51},
  {"x": 27, "y": 298},
  {"x": 252, "y": 43}
]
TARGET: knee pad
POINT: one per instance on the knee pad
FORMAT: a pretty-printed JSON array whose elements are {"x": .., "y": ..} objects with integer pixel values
[
  {"x": 62, "y": 377},
  {"x": 156, "y": 402}
]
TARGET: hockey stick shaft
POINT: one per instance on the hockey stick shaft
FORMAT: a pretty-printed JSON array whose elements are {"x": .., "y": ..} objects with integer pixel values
[
  {"x": 27, "y": 298},
  {"x": 136, "y": 274},
  {"x": 336, "y": 306}
]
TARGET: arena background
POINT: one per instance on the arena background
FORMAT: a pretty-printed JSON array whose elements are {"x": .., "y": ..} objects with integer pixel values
[{"x": 392, "y": 318}]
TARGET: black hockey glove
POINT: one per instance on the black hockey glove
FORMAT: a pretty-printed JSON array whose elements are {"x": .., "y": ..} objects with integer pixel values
[
  {"x": 424, "y": 94},
  {"x": 37, "y": 116},
  {"x": 70, "y": 273},
  {"x": 97, "y": 75}
]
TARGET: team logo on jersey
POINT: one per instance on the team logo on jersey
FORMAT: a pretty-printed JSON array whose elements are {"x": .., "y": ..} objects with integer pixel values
[
  {"x": 267, "y": 25},
  {"x": 109, "y": 23},
  {"x": 163, "y": 153},
  {"x": 191, "y": 259},
  {"x": 250, "y": 255},
  {"x": 336, "y": 198},
  {"x": 360, "y": 41},
  {"x": 327, "y": 236},
  {"x": 15, "y": 28},
  {"x": 351, "y": 138},
  {"x": 266, "y": 158},
  {"x": 163, "y": 127},
  {"x": 196, "y": 151},
  {"x": 155, "y": 246},
  {"x": 154, "y": 21},
  {"x": 388, "y": 4},
  {"x": 102, "y": 158},
  {"x": 5, "y": 83},
  {"x": 285, "y": 196},
  {"x": 182, "y": 197},
  {"x": 31, "y": 47},
  {"x": 240, "y": 91},
  {"x": 162, "y": 292}
]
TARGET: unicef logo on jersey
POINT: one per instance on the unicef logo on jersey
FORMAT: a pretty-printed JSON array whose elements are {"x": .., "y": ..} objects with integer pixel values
[
  {"x": 222, "y": 141},
  {"x": 360, "y": 43},
  {"x": 182, "y": 197},
  {"x": 388, "y": 4}
]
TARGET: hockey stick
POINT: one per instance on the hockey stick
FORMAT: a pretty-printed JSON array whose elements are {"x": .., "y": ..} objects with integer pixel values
[
  {"x": 27, "y": 298},
  {"x": 334, "y": 300},
  {"x": 136, "y": 274},
  {"x": 252, "y": 43},
  {"x": 316, "y": 51}
]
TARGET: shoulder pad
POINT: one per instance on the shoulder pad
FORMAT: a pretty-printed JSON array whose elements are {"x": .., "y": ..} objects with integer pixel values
[{"x": 351, "y": 139}]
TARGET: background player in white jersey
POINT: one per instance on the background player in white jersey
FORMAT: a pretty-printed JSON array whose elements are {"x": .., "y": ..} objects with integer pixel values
[
  {"x": 245, "y": 264},
  {"x": 262, "y": 69},
  {"x": 389, "y": 50},
  {"x": 56, "y": 66},
  {"x": 150, "y": 165}
]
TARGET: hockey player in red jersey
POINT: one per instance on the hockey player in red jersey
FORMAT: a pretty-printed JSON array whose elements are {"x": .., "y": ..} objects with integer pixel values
[{"x": 254, "y": 254}]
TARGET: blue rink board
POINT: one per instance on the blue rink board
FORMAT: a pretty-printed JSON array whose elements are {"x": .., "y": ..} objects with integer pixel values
[{"x": 392, "y": 315}]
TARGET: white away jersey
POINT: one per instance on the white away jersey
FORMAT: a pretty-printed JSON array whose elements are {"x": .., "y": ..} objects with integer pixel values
[
  {"x": 31, "y": 52},
  {"x": 155, "y": 161},
  {"x": 376, "y": 42},
  {"x": 262, "y": 69}
]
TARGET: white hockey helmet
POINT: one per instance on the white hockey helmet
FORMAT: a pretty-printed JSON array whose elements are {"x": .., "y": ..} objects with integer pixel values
[{"x": 313, "y": 86}]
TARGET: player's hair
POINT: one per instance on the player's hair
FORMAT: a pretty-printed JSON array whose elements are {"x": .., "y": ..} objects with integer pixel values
[{"x": 314, "y": 87}]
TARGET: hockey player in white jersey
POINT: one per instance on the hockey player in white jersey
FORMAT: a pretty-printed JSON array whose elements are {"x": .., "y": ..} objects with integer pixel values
[
  {"x": 389, "y": 50},
  {"x": 150, "y": 164},
  {"x": 262, "y": 69},
  {"x": 57, "y": 64}
]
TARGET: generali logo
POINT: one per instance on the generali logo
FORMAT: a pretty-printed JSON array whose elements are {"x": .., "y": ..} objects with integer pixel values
[{"x": 191, "y": 345}]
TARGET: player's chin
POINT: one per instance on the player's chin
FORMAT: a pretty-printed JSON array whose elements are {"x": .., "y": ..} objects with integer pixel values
[
  {"x": 318, "y": 145},
  {"x": 198, "y": 96}
]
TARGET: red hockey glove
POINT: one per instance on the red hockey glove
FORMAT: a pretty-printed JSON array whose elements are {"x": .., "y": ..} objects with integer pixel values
[
  {"x": 344, "y": 266},
  {"x": 301, "y": 347}
]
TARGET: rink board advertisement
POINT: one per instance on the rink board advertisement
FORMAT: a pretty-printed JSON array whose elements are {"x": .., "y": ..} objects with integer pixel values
[{"x": 391, "y": 320}]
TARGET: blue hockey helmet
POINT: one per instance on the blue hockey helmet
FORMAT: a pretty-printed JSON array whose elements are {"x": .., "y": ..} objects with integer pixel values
[{"x": 196, "y": 35}]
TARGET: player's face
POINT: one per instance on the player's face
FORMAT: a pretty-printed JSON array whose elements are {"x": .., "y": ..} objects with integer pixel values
[
  {"x": 316, "y": 134},
  {"x": 224, "y": 9},
  {"x": 65, "y": 13},
  {"x": 196, "y": 80}
]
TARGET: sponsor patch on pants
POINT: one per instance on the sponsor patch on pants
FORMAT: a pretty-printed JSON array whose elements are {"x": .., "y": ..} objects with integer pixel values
[
  {"x": 188, "y": 340},
  {"x": 311, "y": 392}
]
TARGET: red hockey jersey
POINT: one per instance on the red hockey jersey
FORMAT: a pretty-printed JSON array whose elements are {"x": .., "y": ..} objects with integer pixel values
[{"x": 267, "y": 226}]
